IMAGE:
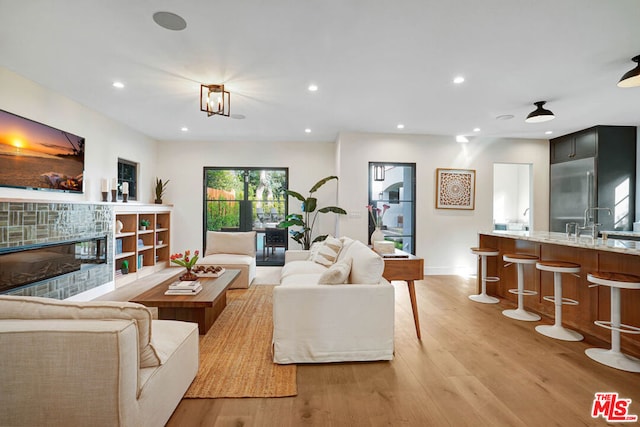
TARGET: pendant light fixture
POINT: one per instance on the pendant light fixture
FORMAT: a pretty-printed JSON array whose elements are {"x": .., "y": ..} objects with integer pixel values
[
  {"x": 632, "y": 77},
  {"x": 540, "y": 114},
  {"x": 214, "y": 100},
  {"x": 378, "y": 173}
]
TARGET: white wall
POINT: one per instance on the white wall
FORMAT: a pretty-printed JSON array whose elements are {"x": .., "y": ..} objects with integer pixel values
[
  {"x": 443, "y": 236},
  {"x": 106, "y": 139},
  {"x": 183, "y": 163}
]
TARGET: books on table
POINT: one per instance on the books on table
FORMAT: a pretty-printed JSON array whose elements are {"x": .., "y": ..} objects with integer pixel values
[{"x": 189, "y": 287}]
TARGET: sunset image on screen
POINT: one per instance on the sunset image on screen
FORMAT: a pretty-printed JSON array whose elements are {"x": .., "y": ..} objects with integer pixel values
[{"x": 34, "y": 155}]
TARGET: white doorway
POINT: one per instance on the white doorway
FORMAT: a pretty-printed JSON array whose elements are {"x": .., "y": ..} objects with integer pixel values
[{"x": 512, "y": 209}]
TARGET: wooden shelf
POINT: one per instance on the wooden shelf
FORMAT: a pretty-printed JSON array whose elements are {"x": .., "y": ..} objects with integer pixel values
[
  {"x": 156, "y": 256},
  {"x": 124, "y": 255},
  {"x": 125, "y": 234}
]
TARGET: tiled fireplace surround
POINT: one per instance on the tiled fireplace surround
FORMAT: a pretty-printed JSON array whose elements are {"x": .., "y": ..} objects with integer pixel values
[{"x": 28, "y": 223}]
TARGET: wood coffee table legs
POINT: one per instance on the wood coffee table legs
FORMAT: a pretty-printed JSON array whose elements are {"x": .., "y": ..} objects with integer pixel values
[
  {"x": 203, "y": 316},
  {"x": 414, "y": 306}
]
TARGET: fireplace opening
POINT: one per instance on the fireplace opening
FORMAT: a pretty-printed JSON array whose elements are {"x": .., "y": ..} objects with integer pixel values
[{"x": 25, "y": 265}]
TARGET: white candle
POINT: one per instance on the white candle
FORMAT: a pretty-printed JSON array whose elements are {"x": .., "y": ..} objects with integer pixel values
[
  {"x": 105, "y": 185},
  {"x": 125, "y": 188},
  {"x": 114, "y": 183}
]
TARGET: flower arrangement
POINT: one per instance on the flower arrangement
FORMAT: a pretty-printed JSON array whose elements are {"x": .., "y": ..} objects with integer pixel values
[
  {"x": 187, "y": 261},
  {"x": 377, "y": 214}
]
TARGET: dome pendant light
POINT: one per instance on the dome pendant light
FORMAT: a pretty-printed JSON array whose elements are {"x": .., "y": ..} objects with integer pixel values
[
  {"x": 631, "y": 78},
  {"x": 539, "y": 115}
]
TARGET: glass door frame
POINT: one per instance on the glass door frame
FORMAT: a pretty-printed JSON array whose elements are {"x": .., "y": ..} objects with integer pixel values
[
  {"x": 372, "y": 199},
  {"x": 246, "y": 204}
]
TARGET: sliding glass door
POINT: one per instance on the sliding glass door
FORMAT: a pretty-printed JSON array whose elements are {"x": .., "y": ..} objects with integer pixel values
[
  {"x": 392, "y": 190},
  {"x": 245, "y": 199}
]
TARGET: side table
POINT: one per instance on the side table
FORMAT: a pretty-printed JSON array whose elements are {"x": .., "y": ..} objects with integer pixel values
[{"x": 407, "y": 267}]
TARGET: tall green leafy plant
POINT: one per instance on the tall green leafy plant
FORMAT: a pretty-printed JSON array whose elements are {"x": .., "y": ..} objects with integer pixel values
[{"x": 307, "y": 219}]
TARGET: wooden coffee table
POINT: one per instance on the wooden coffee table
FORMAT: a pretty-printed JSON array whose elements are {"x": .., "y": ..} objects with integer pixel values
[{"x": 203, "y": 308}]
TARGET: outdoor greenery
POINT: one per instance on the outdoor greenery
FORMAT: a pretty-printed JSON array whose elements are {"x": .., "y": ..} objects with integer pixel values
[
  {"x": 225, "y": 191},
  {"x": 307, "y": 221}
]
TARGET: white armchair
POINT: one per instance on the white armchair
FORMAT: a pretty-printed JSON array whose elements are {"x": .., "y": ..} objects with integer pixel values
[{"x": 235, "y": 250}]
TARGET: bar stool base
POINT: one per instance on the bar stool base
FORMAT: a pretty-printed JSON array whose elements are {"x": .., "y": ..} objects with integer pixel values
[
  {"x": 484, "y": 298},
  {"x": 614, "y": 359},
  {"x": 521, "y": 314},
  {"x": 559, "y": 333}
]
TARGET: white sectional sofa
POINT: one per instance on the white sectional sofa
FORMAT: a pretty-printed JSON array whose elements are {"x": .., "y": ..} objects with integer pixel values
[
  {"x": 235, "y": 250},
  {"x": 350, "y": 320},
  {"x": 91, "y": 363}
]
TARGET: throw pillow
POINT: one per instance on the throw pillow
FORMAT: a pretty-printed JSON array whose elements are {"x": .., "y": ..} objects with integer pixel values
[
  {"x": 17, "y": 307},
  {"x": 328, "y": 252},
  {"x": 337, "y": 274},
  {"x": 239, "y": 243}
]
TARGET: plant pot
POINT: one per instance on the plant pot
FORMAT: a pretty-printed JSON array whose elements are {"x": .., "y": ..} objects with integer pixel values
[
  {"x": 158, "y": 201},
  {"x": 124, "y": 270},
  {"x": 188, "y": 276},
  {"x": 143, "y": 228}
]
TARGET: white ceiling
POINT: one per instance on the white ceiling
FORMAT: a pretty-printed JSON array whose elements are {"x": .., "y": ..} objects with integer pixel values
[{"x": 377, "y": 64}]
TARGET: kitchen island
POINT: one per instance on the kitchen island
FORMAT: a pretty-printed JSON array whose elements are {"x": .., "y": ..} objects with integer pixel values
[{"x": 615, "y": 255}]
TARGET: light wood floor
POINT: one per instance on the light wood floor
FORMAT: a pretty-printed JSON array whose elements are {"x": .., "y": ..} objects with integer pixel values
[{"x": 473, "y": 367}]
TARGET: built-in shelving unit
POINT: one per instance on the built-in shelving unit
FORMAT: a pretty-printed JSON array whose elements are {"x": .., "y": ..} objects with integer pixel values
[{"x": 146, "y": 250}]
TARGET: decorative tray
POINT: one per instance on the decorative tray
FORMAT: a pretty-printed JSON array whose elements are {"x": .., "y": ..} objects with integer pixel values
[{"x": 204, "y": 270}]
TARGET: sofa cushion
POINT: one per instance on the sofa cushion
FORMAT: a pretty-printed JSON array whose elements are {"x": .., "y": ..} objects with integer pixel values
[
  {"x": 240, "y": 243},
  {"x": 328, "y": 252},
  {"x": 16, "y": 307},
  {"x": 337, "y": 274},
  {"x": 366, "y": 265},
  {"x": 217, "y": 259},
  {"x": 301, "y": 279},
  {"x": 346, "y": 244},
  {"x": 301, "y": 267}
]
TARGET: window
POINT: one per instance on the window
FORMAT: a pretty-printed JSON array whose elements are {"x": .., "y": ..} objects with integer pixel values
[
  {"x": 394, "y": 186},
  {"x": 128, "y": 172},
  {"x": 245, "y": 199}
]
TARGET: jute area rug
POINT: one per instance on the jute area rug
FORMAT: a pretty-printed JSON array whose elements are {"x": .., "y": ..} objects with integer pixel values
[{"x": 235, "y": 355}]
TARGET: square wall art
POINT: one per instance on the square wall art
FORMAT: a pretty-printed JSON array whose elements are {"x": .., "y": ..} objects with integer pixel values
[{"x": 455, "y": 189}]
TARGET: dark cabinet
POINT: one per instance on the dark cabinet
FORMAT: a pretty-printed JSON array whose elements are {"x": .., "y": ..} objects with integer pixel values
[
  {"x": 578, "y": 145},
  {"x": 593, "y": 167}
]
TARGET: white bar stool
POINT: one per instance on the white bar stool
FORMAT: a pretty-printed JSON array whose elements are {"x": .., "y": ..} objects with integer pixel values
[
  {"x": 614, "y": 357},
  {"x": 482, "y": 297},
  {"x": 556, "y": 330},
  {"x": 520, "y": 313}
]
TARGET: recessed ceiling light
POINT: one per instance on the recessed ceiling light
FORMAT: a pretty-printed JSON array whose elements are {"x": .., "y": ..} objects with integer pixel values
[
  {"x": 170, "y": 21},
  {"x": 400, "y": 126},
  {"x": 476, "y": 129},
  {"x": 184, "y": 129},
  {"x": 505, "y": 117},
  {"x": 458, "y": 79},
  {"x": 119, "y": 85},
  {"x": 549, "y": 132},
  {"x": 461, "y": 138},
  {"x": 307, "y": 130},
  {"x": 313, "y": 88}
]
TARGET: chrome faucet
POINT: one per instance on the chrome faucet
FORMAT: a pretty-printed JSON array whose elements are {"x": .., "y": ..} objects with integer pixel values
[{"x": 589, "y": 222}]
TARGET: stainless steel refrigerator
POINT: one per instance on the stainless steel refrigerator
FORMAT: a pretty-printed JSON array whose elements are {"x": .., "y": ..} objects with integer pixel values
[{"x": 572, "y": 190}]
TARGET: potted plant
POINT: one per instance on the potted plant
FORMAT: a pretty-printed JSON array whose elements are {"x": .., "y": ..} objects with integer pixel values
[
  {"x": 144, "y": 223},
  {"x": 306, "y": 220},
  {"x": 187, "y": 261},
  {"x": 124, "y": 268},
  {"x": 161, "y": 187}
]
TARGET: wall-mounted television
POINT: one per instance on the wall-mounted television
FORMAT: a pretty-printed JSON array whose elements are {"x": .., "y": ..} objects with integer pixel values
[{"x": 39, "y": 157}]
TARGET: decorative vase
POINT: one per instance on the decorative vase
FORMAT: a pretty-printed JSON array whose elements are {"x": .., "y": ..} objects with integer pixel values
[
  {"x": 188, "y": 276},
  {"x": 377, "y": 235},
  {"x": 119, "y": 226}
]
